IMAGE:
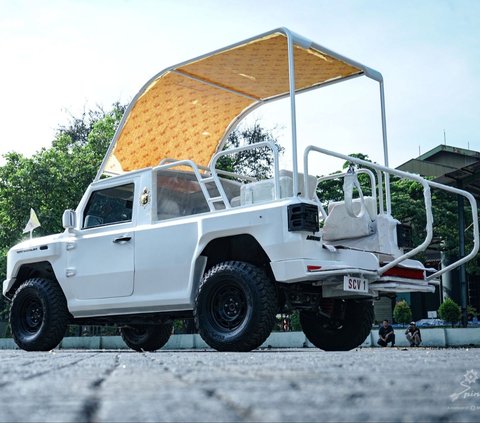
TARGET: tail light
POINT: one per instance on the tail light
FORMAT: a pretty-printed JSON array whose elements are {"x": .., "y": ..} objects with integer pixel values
[{"x": 404, "y": 272}]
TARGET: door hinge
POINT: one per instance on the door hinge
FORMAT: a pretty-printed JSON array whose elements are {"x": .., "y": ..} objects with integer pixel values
[
  {"x": 70, "y": 246},
  {"x": 70, "y": 271}
]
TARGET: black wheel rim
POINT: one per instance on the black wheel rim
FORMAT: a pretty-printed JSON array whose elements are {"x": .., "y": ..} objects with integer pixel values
[
  {"x": 228, "y": 306},
  {"x": 31, "y": 314}
]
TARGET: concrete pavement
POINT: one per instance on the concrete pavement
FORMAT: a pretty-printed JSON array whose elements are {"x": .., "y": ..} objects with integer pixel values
[{"x": 264, "y": 385}]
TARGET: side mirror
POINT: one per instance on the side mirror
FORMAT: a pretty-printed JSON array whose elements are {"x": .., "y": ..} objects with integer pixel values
[{"x": 69, "y": 219}]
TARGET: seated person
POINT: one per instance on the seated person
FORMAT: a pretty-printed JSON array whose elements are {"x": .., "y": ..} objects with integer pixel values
[
  {"x": 413, "y": 335},
  {"x": 386, "y": 334}
]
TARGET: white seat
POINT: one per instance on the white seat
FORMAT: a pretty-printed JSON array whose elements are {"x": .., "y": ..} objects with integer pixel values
[
  {"x": 167, "y": 209},
  {"x": 311, "y": 188},
  {"x": 340, "y": 225},
  {"x": 262, "y": 191},
  {"x": 235, "y": 201}
]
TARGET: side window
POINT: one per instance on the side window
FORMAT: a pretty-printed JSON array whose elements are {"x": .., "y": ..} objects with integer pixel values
[
  {"x": 178, "y": 194},
  {"x": 109, "y": 206}
]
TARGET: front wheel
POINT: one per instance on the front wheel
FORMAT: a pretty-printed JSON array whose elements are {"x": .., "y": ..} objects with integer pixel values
[
  {"x": 39, "y": 316},
  {"x": 343, "y": 333},
  {"x": 146, "y": 337},
  {"x": 235, "y": 307}
]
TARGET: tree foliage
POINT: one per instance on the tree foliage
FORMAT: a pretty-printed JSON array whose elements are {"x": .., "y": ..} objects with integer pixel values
[
  {"x": 258, "y": 162},
  {"x": 402, "y": 312},
  {"x": 53, "y": 179},
  {"x": 450, "y": 311}
]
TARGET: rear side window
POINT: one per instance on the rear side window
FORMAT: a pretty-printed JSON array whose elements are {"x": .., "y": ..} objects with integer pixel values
[
  {"x": 109, "y": 206},
  {"x": 179, "y": 194}
]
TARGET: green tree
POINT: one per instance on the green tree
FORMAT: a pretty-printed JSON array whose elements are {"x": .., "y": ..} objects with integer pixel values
[
  {"x": 53, "y": 179},
  {"x": 450, "y": 311},
  {"x": 402, "y": 312}
]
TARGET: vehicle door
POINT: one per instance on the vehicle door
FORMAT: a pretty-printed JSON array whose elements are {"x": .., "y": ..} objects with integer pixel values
[
  {"x": 165, "y": 249},
  {"x": 101, "y": 257}
]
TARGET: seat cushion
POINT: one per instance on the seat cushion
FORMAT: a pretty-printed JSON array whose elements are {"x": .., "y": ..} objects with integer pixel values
[{"x": 339, "y": 225}]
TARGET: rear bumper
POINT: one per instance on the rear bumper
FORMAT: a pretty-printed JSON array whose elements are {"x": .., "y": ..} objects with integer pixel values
[{"x": 330, "y": 276}]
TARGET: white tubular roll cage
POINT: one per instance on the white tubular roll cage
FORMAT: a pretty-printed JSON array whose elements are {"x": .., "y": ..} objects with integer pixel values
[{"x": 427, "y": 201}]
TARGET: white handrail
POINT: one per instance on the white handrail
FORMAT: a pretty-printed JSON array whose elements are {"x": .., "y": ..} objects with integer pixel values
[
  {"x": 426, "y": 191},
  {"x": 276, "y": 172},
  {"x": 473, "y": 204},
  {"x": 426, "y": 195},
  {"x": 168, "y": 163},
  {"x": 342, "y": 175},
  {"x": 199, "y": 177},
  {"x": 219, "y": 171}
]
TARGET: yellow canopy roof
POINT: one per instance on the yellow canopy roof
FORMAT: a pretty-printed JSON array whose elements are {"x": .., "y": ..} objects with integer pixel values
[{"x": 186, "y": 111}]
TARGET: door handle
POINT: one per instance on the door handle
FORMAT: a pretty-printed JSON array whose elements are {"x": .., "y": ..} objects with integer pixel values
[{"x": 122, "y": 239}]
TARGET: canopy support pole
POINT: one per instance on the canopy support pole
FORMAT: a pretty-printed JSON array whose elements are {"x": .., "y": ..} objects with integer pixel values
[
  {"x": 385, "y": 147},
  {"x": 291, "y": 77}
]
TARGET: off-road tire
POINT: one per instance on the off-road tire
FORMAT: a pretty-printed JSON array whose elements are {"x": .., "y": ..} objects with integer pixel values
[
  {"x": 353, "y": 330},
  {"x": 146, "y": 337},
  {"x": 39, "y": 315},
  {"x": 235, "y": 307}
]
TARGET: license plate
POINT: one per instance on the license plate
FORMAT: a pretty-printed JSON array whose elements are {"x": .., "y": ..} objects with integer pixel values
[{"x": 355, "y": 284}]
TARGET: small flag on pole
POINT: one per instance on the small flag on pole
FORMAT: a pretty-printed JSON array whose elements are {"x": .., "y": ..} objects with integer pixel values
[{"x": 32, "y": 223}]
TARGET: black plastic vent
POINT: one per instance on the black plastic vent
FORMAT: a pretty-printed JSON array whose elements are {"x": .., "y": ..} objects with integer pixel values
[
  {"x": 303, "y": 217},
  {"x": 404, "y": 236}
]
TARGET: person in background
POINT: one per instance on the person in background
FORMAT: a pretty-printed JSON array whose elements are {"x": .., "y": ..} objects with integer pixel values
[
  {"x": 386, "y": 334},
  {"x": 413, "y": 335}
]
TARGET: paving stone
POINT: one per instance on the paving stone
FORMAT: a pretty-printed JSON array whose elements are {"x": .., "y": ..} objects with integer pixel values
[{"x": 305, "y": 385}]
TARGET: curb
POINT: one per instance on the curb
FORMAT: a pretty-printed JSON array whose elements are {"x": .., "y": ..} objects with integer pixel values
[{"x": 439, "y": 337}]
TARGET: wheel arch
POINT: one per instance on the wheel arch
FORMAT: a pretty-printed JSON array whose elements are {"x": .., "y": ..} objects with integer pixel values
[
  {"x": 241, "y": 247},
  {"x": 41, "y": 269}
]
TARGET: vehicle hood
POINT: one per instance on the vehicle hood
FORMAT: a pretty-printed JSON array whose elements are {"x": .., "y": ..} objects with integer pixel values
[{"x": 36, "y": 242}]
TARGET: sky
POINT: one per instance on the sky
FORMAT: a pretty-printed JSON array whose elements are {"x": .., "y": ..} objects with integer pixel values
[{"x": 59, "y": 58}]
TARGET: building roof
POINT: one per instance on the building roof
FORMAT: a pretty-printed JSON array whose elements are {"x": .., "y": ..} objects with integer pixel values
[{"x": 450, "y": 166}]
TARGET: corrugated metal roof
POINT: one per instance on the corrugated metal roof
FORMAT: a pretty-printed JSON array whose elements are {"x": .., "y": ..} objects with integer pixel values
[{"x": 450, "y": 166}]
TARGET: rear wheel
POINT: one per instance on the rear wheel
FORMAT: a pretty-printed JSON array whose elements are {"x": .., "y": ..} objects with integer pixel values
[
  {"x": 342, "y": 333},
  {"x": 235, "y": 307},
  {"x": 39, "y": 316},
  {"x": 146, "y": 337}
]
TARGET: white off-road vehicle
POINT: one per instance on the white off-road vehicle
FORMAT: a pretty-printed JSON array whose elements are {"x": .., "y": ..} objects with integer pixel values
[{"x": 167, "y": 235}]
